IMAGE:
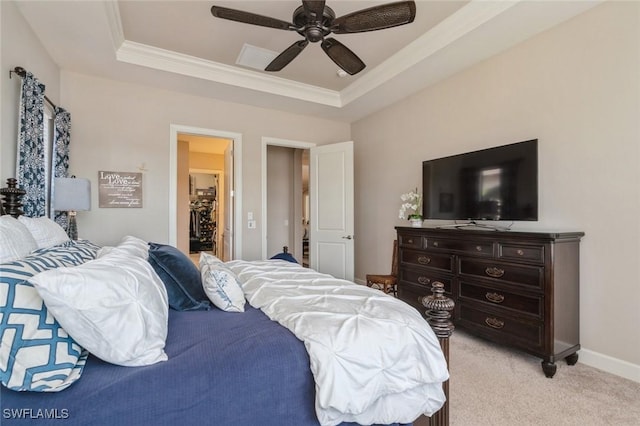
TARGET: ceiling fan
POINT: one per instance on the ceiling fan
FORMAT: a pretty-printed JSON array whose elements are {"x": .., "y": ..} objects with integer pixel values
[{"x": 315, "y": 21}]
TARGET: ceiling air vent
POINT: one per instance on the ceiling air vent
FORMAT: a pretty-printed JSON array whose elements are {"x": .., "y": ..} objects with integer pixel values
[{"x": 255, "y": 57}]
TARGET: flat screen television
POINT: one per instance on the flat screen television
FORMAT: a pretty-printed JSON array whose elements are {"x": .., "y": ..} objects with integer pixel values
[{"x": 499, "y": 183}]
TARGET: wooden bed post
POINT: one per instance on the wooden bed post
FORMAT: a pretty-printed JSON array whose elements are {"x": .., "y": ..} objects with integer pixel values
[
  {"x": 12, "y": 195},
  {"x": 439, "y": 309}
]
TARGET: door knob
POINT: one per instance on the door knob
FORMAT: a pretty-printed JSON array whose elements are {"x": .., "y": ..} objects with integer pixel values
[{"x": 347, "y": 237}]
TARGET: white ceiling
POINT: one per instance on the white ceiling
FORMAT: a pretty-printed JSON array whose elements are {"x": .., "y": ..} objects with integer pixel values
[{"x": 179, "y": 45}]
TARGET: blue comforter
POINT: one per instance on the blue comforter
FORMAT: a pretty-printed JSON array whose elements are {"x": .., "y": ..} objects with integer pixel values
[{"x": 223, "y": 369}]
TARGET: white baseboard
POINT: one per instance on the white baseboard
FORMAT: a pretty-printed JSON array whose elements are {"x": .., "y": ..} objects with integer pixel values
[{"x": 610, "y": 364}]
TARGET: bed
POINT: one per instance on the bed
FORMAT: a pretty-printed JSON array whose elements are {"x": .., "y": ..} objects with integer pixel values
[{"x": 306, "y": 349}]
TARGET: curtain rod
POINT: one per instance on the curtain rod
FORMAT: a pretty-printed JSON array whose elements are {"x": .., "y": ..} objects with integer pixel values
[{"x": 22, "y": 73}]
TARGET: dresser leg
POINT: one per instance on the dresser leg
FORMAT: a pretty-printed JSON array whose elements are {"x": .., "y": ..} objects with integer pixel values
[
  {"x": 549, "y": 368},
  {"x": 572, "y": 359}
]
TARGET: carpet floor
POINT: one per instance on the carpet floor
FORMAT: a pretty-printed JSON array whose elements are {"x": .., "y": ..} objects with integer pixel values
[{"x": 494, "y": 386}]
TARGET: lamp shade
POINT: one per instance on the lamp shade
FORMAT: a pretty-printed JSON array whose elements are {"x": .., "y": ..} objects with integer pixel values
[{"x": 71, "y": 194}]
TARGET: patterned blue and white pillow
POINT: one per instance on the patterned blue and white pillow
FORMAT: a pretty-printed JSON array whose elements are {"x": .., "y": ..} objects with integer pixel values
[
  {"x": 37, "y": 354},
  {"x": 221, "y": 285}
]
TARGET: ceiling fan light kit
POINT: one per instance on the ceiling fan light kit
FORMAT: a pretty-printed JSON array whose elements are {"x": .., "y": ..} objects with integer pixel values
[{"x": 314, "y": 20}]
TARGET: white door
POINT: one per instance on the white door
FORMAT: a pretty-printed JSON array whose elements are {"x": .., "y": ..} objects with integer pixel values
[
  {"x": 229, "y": 202},
  {"x": 331, "y": 223}
]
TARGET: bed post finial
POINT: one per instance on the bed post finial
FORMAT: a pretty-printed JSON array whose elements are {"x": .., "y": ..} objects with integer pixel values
[
  {"x": 12, "y": 196},
  {"x": 439, "y": 309}
]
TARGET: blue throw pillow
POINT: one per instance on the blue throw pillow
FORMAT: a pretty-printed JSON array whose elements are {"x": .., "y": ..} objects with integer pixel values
[{"x": 180, "y": 276}]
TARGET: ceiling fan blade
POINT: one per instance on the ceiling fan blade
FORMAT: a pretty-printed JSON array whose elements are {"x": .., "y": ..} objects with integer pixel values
[
  {"x": 314, "y": 9},
  {"x": 250, "y": 18},
  {"x": 342, "y": 56},
  {"x": 290, "y": 53},
  {"x": 375, "y": 18}
]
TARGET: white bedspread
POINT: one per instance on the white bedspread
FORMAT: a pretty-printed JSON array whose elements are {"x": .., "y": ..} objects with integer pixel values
[{"x": 373, "y": 357}]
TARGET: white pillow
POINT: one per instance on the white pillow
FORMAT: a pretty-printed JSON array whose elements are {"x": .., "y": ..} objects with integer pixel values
[
  {"x": 220, "y": 284},
  {"x": 129, "y": 244},
  {"x": 116, "y": 307},
  {"x": 15, "y": 239},
  {"x": 209, "y": 258},
  {"x": 45, "y": 231}
]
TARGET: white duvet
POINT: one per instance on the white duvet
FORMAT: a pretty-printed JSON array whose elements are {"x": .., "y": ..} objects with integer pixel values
[{"x": 373, "y": 357}]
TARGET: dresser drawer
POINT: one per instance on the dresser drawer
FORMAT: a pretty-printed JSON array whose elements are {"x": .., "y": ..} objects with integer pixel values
[
  {"x": 529, "y": 253},
  {"x": 438, "y": 261},
  {"x": 413, "y": 294},
  {"x": 479, "y": 248},
  {"x": 410, "y": 241},
  {"x": 527, "y": 334},
  {"x": 425, "y": 277},
  {"x": 532, "y": 276},
  {"x": 521, "y": 304}
]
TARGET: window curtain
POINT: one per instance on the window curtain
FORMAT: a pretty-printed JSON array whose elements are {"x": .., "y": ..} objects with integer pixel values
[
  {"x": 60, "y": 156},
  {"x": 30, "y": 165}
]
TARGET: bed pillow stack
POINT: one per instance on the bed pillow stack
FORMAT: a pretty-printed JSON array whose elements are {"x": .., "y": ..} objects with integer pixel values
[
  {"x": 115, "y": 306},
  {"x": 37, "y": 353},
  {"x": 180, "y": 277},
  {"x": 45, "y": 231},
  {"x": 220, "y": 284},
  {"x": 15, "y": 239}
]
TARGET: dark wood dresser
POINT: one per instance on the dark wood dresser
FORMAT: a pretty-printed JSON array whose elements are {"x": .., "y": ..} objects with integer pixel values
[{"x": 516, "y": 288}]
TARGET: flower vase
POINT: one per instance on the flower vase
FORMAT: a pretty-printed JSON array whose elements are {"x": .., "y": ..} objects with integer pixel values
[{"x": 416, "y": 222}]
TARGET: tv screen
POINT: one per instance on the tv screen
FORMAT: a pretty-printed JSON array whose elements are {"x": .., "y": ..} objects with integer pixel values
[{"x": 498, "y": 183}]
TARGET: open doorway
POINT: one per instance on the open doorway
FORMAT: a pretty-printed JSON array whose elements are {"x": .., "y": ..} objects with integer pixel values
[
  {"x": 207, "y": 169},
  {"x": 205, "y": 174},
  {"x": 331, "y": 205},
  {"x": 285, "y": 203},
  {"x": 287, "y": 190}
]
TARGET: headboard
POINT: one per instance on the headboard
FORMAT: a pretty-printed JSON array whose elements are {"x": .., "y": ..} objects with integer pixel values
[{"x": 12, "y": 196}]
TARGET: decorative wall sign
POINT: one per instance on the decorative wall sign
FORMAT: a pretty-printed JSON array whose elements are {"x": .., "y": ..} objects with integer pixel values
[{"x": 120, "y": 189}]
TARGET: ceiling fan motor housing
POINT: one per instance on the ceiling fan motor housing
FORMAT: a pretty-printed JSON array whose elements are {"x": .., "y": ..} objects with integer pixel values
[{"x": 313, "y": 30}]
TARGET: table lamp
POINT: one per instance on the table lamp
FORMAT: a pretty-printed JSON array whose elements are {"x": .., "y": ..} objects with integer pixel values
[{"x": 72, "y": 195}]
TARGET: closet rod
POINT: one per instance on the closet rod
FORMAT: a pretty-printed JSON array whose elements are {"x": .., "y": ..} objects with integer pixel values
[{"x": 22, "y": 73}]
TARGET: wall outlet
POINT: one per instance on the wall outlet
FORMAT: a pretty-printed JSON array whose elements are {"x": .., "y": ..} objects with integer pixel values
[
  {"x": 251, "y": 224},
  {"x": 249, "y": 215}
]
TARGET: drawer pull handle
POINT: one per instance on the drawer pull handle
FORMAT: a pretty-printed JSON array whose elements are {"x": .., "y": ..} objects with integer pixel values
[
  {"x": 478, "y": 248},
  {"x": 520, "y": 252},
  {"x": 435, "y": 244},
  {"x": 494, "y": 322},
  {"x": 410, "y": 241},
  {"x": 424, "y": 260},
  {"x": 494, "y": 272},
  {"x": 494, "y": 297},
  {"x": 424, "y": 280}
]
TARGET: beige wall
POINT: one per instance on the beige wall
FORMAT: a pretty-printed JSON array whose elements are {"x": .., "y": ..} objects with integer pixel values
[
  {"x": 577, "y": 89},
  {"x": 119, "y": 126},
  {"x": 204, "y": 161},
  {"x": 19, "y": 47},
  {"x": 126, "y": 127}
]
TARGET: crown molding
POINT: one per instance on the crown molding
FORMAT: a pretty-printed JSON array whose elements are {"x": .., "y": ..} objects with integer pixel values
[
  {"x": 114, "y": 22},
  {"x": 474, "y": 16},
  {"x": 465, "y": 20},
  {"x": 177, "y": 63},
  {"x": 462, "y": 22}
]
